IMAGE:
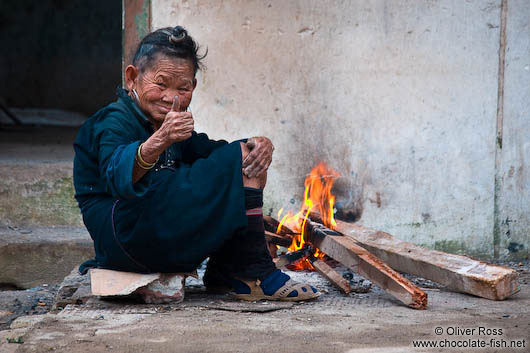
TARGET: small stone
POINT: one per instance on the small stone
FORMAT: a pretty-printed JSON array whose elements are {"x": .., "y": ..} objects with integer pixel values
[
  {"x": 75, "y": 289},
  {"x": 362, "y": 286}
]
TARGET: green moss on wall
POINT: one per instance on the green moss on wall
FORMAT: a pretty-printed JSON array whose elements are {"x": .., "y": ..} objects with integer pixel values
[{"x": 43, "y": 202}]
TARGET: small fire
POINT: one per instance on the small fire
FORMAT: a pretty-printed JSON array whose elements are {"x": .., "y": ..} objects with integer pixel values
[{"x": 317, "y": 196}]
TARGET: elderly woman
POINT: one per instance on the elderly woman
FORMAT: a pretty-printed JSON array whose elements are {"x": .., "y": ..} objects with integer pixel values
[{"x": 158, "y": 197}]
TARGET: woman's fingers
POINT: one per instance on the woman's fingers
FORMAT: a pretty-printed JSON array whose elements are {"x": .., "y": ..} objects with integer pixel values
[
  {"x": 184, "y": 128},
  {"x": 262, "y": 164},
  {"x": 251, "y": 144},
  {"x": 179, "y": 125},
  {"x": 259, "y": 158},
  {"x": 253, "y": 147}
]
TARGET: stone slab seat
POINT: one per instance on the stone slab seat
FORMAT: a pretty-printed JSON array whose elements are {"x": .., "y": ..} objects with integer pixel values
[{"x": 153, "y": 288}]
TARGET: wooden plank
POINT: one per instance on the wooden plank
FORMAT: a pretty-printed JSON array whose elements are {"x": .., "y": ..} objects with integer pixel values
[
  {"x": 358, "y": 259},
  {"x": 294, "y": 256},
  {"x": 277, "y": 239},
  {"x": 458, "y": 273},
  {"x": 271, "y": 225},
  {"x": 331, "y": 275}
]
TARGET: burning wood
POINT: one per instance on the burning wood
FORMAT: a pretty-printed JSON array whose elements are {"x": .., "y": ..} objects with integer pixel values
[
  {"x": 317, "y": 196},
  {"x": 277, "y": 239},
  {"x": 273, "y": 225},
  {"x": 291, "y": 257},
  {"x": 362, "y": 249},
  {"x": 346, "y": 251}
]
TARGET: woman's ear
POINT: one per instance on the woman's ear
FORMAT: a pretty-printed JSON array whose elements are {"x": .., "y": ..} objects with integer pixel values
[
  {"x": 194, "y": 83},
  {"x": 131, "y": 74}
]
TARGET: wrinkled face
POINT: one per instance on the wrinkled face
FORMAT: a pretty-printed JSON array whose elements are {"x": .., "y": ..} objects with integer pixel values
[{"x": 160, "y": 82}]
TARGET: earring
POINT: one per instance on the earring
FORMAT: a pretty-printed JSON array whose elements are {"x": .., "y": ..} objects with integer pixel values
[{"x": 135, "y": 95}]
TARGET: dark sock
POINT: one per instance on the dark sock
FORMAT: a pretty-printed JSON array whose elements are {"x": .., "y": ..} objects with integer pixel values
[
  {"x": 255, "y": 261},
  {"x": 269, "y": 285},
  {"x": 274, "y": 281},
  {"x": 251, "y": 254},
  {"x": 253, "y": 198}
]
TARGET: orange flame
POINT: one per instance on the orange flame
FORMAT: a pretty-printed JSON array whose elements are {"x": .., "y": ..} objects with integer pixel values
[{"x": 317, "y": 194}]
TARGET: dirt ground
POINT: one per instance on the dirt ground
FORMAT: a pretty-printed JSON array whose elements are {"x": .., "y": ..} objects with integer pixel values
[{"x": 370, "y": 322}]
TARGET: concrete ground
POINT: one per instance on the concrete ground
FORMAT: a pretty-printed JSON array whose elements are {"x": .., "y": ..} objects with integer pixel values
[{"x": 370, "y": 322}]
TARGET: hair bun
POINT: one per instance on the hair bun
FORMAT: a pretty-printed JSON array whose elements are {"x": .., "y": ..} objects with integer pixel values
[{"x": 178, "y": 35}]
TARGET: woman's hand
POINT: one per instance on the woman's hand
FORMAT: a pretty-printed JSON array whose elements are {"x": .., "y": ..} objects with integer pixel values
[
  {"x": 259, "y": 158},
  {"x": 177, "y": 125}
]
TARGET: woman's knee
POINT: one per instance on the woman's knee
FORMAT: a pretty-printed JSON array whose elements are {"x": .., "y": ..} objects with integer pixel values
[{"x": 257, "y": 182}]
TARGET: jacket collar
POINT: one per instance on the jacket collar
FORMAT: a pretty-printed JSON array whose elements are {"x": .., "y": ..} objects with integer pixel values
[{"x": 123, "y": 96}]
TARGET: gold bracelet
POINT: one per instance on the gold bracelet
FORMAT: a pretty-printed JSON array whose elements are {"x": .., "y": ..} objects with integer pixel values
[
  {"x": 141, "y": 166},
  {"x": 140, "y": 161}
]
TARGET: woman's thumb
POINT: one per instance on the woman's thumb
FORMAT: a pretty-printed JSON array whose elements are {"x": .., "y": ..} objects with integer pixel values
[{"x": 176, "y": 104}]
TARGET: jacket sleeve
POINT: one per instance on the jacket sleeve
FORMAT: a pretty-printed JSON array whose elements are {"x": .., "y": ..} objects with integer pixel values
[{"x": 118, "y": 145}]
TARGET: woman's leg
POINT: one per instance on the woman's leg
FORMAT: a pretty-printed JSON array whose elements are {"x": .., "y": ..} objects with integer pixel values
[
  {"x": 256, "y": 275},
  {"x": 252, "y": 254},
  {"x": 246, "y": 254}
]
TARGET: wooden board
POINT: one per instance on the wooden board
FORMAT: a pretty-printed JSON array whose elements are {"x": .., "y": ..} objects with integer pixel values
[
  {"x": 346, "y": 251},
  {"x": 271, "y": 225},
  {"x": 331, "y": 275},
  {"x": 276, "y": 239},
  {"x": 459, "y": 273}
]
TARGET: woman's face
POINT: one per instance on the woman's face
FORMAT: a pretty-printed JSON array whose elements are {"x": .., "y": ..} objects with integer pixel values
[{"x": 160, "y": 82}]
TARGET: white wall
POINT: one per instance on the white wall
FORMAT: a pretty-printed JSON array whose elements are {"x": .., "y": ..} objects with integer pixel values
[
  {"x": 399, "y": 96},
  {"x": 514, "y": 196}
]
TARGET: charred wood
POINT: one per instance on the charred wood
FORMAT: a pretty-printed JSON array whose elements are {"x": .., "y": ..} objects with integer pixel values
[
  {"x": 276, "y": 239},
  {"x": 271, "y": 224},
  {"x": 349, "y": 253}
]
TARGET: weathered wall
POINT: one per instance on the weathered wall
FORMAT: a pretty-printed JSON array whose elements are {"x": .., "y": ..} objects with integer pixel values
[
  {"x": 61, "y": 54},
  {"x": 514, "y": 183},
  {"x": 399, "y": 97}
]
